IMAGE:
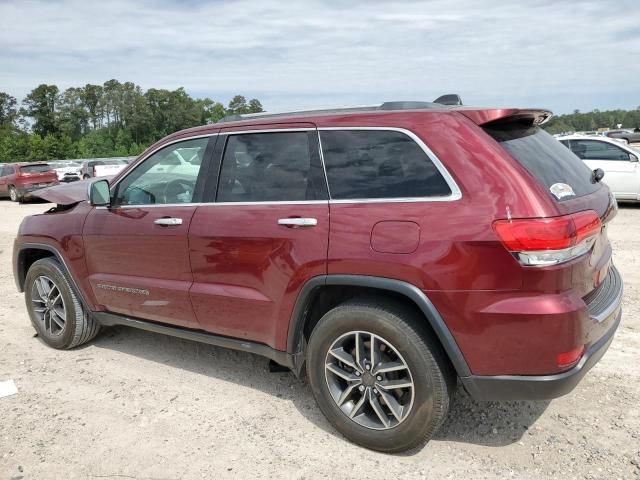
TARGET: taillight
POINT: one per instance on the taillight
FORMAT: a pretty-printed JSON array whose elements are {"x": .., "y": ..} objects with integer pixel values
[
  {"x": 549, "y": 241},
  {"x": 93, "y": 170}
]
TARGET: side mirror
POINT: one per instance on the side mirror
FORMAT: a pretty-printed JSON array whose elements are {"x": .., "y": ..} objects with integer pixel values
[
  {"x": 597, "y": 175},
  {"x": 633, "y": 158},
  {"x": 99, "y": 194}
]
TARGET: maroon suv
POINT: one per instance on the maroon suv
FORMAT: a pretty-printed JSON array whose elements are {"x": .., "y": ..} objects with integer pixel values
[
  {"x": 392, "y": 251},
  {"x": 19, "y": 180}
]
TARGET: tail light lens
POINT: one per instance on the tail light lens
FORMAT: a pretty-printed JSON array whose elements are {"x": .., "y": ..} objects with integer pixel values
[{"x": 549, "y": 241}]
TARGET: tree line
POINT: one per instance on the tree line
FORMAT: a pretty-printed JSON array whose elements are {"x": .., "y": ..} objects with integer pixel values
[
  {"x": 109, "y": 120},
  {"x": 594, "y": 120}
]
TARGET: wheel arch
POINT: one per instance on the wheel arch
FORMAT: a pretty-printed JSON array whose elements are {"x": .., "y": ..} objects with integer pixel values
[
  {"x": 326, "y": 291},
  {"x": 28, "y": 253}
]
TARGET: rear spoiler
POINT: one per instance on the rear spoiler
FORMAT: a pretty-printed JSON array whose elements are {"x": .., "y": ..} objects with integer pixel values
[{"x": 485, "y": 116}]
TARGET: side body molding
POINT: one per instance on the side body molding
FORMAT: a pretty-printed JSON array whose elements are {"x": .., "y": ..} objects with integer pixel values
[{"x": 296, "y": 342}]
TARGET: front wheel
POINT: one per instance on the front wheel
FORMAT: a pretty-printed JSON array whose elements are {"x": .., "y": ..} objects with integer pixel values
[
  {"x": 55, "y": 311},
  {"x": 377, "y": 375}
]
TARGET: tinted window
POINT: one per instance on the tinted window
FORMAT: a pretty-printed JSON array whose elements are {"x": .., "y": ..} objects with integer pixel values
[
  {"x": 594, "y": 150},
  {"x": 160, "y": 179},
  {"x": 544, "y": 157},
  {"x": 261, "y": 167},
  {"x": 378, "y": 164},
  {"x": 35, "y": 168}
]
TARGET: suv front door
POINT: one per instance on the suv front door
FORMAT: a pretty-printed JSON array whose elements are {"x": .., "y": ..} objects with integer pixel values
[
  {"x": 137, "y": 250},
  {"x": 265, "y": 235}
]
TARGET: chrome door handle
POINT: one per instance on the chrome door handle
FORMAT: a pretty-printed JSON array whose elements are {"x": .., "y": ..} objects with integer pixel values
[
  {"x": 298, "y": 222},
  {"x": 168, "y": 222}
]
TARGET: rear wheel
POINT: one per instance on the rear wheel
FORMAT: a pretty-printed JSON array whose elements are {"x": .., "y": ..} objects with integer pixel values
[
  {"x": 13, "y": 194},
  {"x": 54, "y": 309},
  {"x": 377, "y": 376}
]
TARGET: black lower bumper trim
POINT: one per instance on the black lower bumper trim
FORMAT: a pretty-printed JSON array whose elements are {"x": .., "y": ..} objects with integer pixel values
[{"x": 539, "y": 387}]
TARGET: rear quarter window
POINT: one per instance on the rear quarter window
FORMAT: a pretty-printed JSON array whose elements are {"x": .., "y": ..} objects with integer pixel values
[
  {"x": 546, "y": 159},
  {"x": 370, "y": 164}
]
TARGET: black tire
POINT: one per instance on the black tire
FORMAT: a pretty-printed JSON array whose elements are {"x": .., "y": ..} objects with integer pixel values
[
  {"x": 14, "y": 195},
  {"x": 85, "y": 177},
  {"x": 404, "y": 329},
  {"x": 79, "y": 326}
]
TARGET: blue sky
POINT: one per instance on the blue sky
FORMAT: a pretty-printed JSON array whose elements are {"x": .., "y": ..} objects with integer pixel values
[{"x": 560, "y": 55}]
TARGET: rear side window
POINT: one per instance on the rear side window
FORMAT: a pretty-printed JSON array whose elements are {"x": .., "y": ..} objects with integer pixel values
[
  {"x": 596, "y": 150},
  {"x": 368, "y": 164},
  {"x": 267, "y": 167},
  {"x": 35, "y": 168},
  {"x": 551, "y": 163}
]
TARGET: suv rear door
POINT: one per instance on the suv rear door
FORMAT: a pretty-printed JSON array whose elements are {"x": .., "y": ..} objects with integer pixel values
[
  {"x": 264, "y": 234},
  {"x": 137, "y": 250}
]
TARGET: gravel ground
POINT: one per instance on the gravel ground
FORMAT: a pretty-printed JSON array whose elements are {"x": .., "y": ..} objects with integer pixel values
[{"x": 134, "y": 404}]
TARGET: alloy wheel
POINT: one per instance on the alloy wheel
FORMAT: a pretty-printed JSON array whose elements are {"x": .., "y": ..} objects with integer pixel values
[
  {"x": 369, "y": 380},
  {"x": 48, "y": 305}
]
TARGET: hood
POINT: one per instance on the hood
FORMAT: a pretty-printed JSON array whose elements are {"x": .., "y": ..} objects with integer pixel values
[{"x": 68, "y": 193}]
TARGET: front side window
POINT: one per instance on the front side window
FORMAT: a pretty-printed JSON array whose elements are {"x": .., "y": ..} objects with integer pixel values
[
  {"x": 595, "y": 150},
  {"x": 266, "y": 167},
  {"x": 368, "y": 164},
  {"x": 166, "y": 177}
]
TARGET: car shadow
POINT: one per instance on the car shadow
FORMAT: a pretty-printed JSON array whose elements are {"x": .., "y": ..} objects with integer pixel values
[
  {"x": 492, "y": 424},
  {"x": 482, "y": 423}
]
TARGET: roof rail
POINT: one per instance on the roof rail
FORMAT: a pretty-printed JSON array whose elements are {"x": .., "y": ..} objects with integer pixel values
[{"x": 440, "y": 102}]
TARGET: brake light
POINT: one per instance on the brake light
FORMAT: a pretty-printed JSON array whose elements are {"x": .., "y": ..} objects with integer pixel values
[
  {"x": 570, "y": 358},
  {"x": 549, "y": 241}
]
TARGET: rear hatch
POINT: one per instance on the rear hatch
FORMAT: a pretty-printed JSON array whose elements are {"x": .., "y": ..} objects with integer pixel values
[
  {"x": 585, "y": 206},
  {"x": 37, "y": 175}
]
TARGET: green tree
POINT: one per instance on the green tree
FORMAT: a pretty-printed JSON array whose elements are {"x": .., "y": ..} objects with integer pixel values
[
  {"x": 8, "y": 109},
  {"x": 238, "y": 106},
  {"x": 40, "y": 106},
  {"x": 255, "y": 106}
]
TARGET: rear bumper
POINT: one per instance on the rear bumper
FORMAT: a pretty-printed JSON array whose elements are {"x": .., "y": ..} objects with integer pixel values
[
  {"x": 26, "y": 190},
  {"x": 606, "y": 310}
]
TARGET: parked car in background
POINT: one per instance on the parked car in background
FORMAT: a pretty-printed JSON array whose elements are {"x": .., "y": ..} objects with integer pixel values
[
  {"x": 393, "y": 251},
  {"x": 102, "y": 168},
  {"x": 20, "y": 180},
  {"x": 618, "y": 161},
  {"x": 627, "y": 135},
  {"x": 67, "y": 170}
]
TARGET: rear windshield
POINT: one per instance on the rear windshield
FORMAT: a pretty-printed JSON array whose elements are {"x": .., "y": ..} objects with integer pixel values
[
  {"x": 35, "y": 168},
  {"x": 550, "y": 162}
]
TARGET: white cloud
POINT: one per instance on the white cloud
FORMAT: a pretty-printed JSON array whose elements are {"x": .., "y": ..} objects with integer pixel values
[{"x": 303, "y": 54}]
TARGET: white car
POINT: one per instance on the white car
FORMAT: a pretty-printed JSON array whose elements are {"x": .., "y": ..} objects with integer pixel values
[
  {"x": 67, "y": 171},
  {"x": 618, "y": 161}
]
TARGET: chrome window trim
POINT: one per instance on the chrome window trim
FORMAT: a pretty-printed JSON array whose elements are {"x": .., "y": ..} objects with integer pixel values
[
  {"x": 268, "y": 130},
  {"x": 456, "y": 193},
  {"x": 215, "y": 204}
]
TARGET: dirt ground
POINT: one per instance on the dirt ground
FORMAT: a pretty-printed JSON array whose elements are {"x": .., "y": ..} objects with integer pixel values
[{"x": 134, "y": 404}]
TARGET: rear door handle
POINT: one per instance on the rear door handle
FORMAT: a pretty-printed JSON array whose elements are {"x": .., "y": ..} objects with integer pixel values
[
  {"x": 168, "y": 221},
  {"x": 298, "y": 222}
]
